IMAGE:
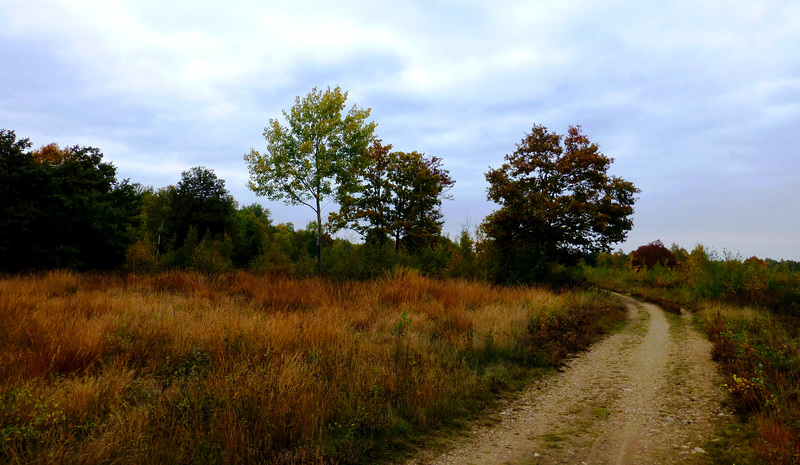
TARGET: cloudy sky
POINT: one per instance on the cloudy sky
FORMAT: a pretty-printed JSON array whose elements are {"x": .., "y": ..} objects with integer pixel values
[{"x": 697, "y": 102}]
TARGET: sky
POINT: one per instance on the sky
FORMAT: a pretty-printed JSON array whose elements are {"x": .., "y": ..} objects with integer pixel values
[{"x": 698, "y": 103}]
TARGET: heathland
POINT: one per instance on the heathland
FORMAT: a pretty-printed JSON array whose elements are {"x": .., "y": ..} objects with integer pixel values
[
  {"x": 181, "y": 367},
  {"x": 172, "y": 325}
]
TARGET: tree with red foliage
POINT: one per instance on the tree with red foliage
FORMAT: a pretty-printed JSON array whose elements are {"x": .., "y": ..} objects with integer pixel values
[
  {"x": 557, "y": 202},
  {"x": 647, "y": 256}
]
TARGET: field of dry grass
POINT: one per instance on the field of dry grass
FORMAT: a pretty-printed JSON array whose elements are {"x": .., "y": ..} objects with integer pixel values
[{"x": 240, "y": 368}]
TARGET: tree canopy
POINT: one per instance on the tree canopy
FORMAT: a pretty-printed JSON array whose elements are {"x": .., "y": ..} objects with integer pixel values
[
  {"x": 652, "y": 254},
  {"x": 557, "y": 201},
  {"x": 401, "y": 197},
  {"x": 62, "y": 208},
  {"x": 315, "y": 156},
  {"x": 201, "y": 201}
]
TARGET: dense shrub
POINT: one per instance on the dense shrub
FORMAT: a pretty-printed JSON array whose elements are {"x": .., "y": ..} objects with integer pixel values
[{"x": 652, "y": 254}]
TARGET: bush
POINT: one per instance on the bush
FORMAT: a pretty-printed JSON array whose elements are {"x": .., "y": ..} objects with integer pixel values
[{"x": 648, "y": 256}]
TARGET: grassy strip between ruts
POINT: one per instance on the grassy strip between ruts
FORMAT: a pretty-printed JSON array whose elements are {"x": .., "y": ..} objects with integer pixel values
[{"x": 240, "y": 368}]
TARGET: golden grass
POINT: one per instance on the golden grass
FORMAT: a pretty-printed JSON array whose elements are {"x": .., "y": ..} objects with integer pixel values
[{"x": 239, "y": 368}]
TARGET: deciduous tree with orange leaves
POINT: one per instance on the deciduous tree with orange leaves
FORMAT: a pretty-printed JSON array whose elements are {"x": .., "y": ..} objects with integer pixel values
[{"x": 557, "y": 201}]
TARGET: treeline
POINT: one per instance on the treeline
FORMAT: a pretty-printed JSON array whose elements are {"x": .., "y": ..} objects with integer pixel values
[
  {"x": 65, "y": 208},
  {"x": 690, "y": 278}
]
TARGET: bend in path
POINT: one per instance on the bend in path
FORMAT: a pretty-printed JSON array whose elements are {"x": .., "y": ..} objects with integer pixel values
[{"x": 647, "y": 395}]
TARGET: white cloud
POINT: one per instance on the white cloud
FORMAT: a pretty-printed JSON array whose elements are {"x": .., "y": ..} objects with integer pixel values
[{"x": 688, "y": 97}]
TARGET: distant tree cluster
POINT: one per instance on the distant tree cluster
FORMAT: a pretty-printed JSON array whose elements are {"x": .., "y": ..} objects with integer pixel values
[
  {"x": 689, "y": 277},
  {"x": 64, "y": 208}
]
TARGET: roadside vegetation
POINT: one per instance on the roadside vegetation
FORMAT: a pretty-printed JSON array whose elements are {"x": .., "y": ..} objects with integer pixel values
[
  {"x": 200, "y": 330},
  {"x": 750, "y": 309},
  {"x": 181, "y": 367}
]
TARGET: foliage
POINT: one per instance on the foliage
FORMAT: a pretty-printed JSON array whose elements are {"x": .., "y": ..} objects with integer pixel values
[
  {"x": 367, "y": 210},
  {"x": 253, "y": 225},
  {"x": 315, "y": 157},
  {"x": 200, "y": 201},
  {"x": 759, "y": 356},
  {"x": 401, "y": 198},
  {"x": 418, "y": 186},
  {"x": 751, "y": 311},
  {"x": 702, "y": 276},
  {"x": 184, "y": 367},
  {"x": 465, "y": 262},
  {"x": 563, "y": 330},
  {"x": 62, "y": 208},
  {"x": 557, "y": 201},
  {"x": 652, "y": 254}
]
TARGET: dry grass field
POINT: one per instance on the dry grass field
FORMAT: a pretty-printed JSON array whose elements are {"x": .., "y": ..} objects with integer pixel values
[{"x": 240, "y": 368}]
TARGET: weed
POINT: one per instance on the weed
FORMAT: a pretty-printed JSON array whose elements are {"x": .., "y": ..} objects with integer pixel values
[
  {"x": 601, "y": 412},
  {"x": 401, "y": 328}
]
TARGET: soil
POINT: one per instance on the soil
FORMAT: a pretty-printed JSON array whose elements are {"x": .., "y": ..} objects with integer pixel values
[{"x": 648, "y": 394}]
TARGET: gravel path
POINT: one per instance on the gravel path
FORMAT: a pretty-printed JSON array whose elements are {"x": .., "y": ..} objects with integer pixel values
[{"x": 648, "y": 394}]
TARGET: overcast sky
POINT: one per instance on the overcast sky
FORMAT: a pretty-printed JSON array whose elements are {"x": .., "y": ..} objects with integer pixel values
[{"x": 697, "y": 102}]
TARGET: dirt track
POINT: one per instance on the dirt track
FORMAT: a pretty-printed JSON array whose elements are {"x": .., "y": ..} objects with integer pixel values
[{"x": 648, "y": 394}]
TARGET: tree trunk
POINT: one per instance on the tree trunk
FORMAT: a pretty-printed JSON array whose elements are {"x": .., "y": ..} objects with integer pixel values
[{"x": 319, "y": 239}]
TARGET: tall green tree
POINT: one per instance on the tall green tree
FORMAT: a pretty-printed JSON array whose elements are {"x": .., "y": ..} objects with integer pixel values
[
  {"x": 314, "y": 157},
  {"x": 177, "y": 218},
  {"x": 23, "y": 194},
  {"x": 557, "y": 201},
  {"x": 251, "y": 234},
  {"x": 201, "y": 201}
]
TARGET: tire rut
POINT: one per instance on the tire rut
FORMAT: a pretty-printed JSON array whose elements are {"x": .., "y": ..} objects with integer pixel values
[{"x": 647, "y": 394}]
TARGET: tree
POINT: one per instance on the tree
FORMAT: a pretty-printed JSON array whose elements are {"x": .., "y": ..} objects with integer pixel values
[
  {"x": 557, "y": 202},
  {"x": 401, "y": 197},
  {"x": 250, "y": 238},
  {"x": 647, "y": 256},
  {"x": 156, "y": 217},
  {"x": 63, "y": 208},
  {"x": 366, "y": 210},
  {"x": 201, "y": 201},
  {"x": 23, "y": 185},
  {"x": 418, "y": 186},
  {"x": 315, "y": 157}
]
